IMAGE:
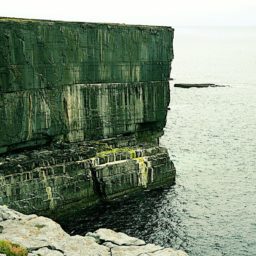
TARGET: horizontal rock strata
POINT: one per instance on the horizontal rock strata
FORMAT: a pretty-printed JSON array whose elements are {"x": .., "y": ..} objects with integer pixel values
[
  {"x": 42, "y": 236},
  {"x": 44, "y": 180}
]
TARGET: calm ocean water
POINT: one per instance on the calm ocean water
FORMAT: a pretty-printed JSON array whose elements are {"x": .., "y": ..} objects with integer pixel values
[{"x": 211, "y": 137}]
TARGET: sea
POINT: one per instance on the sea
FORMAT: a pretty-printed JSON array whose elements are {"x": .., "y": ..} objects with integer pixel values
[{"x": 211, "y": 138}]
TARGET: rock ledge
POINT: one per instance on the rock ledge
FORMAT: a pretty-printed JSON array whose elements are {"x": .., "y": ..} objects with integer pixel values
[{"x": 42, "y": 236}]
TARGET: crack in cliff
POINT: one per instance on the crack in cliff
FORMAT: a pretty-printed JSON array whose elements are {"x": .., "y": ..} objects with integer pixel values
[{"x": 99, "y": 186}]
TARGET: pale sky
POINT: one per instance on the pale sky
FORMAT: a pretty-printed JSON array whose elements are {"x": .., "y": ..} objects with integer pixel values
[{"x": 157, "y": 12}]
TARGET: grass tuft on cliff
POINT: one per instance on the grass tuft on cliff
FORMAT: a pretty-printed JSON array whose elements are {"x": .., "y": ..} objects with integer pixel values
[{"x": 10, "y": 249}]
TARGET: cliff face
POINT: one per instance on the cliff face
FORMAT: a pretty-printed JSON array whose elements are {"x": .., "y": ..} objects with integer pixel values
[
  {"x": 77, "y": 81},
  {"x": 88, "y": 93}
]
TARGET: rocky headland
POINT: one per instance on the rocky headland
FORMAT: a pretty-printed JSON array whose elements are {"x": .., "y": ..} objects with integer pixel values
[{"x": 82, "y": 108}]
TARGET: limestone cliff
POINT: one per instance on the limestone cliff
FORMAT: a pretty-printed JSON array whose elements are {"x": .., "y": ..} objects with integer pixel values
[
  {"x": 87, "y": 104},
  {"x": 78, "y": 81}
]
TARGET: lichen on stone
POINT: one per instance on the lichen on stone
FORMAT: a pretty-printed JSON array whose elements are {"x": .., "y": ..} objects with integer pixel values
[
  {"x": 143, "y": 171},
  {"x": 50, "y": 197}
]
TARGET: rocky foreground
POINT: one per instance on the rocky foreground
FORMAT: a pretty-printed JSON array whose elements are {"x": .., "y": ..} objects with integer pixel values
[{"x": 44, "y": 237}]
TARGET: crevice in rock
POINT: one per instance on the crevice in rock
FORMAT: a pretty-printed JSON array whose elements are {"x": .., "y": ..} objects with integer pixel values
[
  {"x": 50, "y": 247},
  {"x": 154, "y": 251},
  {"x": 124, "y": 245}
]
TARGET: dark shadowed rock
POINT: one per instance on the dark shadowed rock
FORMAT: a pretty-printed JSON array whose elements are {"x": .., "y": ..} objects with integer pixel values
[{"x": 198, "y": 85}]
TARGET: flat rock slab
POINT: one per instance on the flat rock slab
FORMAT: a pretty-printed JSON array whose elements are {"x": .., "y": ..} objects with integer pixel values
[
  {"x": 117, "y": 238},
  {"x": 186, "y": 86},
  {"x": 44, "y": 237}
]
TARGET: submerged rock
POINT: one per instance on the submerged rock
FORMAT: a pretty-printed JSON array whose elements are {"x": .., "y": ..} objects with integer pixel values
[
  {"x": 198, "y": 85},
  {"x": 42, "y": 236}
]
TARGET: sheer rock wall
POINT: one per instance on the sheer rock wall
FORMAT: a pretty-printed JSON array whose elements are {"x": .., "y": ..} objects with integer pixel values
[
  {"x": 72, "y": 95},
  {"x": 78, "y": 81}
]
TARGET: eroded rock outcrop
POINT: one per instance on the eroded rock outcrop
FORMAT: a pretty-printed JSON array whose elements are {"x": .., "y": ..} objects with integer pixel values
[
  {"x": 42, "y": 236},
  {"x": 82, "y": 108}
]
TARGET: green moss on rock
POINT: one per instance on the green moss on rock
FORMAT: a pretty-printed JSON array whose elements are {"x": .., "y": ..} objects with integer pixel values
[{"x": 10, "y": 249}]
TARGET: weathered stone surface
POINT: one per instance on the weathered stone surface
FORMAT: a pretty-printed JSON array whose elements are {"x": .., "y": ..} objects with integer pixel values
[
  {"x": 135, "y": 250},
  {"x": 42, "y": 236},
  {"x": 166, "y": 252},
  {"x": 123, "y": 245},
  {"x": 108, "y": 235},
  {"x": 45, "y": 251},
  {"x": 7, "y": 214}
]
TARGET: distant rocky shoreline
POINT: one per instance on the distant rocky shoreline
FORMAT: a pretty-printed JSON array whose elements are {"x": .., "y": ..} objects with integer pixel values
[
  {"x": 42, "y": 236},
  {"x": 204, "y": 85}
]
